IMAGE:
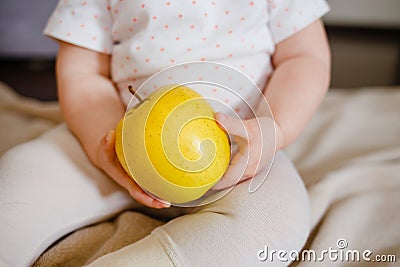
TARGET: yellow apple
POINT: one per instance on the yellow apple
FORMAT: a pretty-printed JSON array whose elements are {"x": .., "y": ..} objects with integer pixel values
[{"x": 171, "y": 145}]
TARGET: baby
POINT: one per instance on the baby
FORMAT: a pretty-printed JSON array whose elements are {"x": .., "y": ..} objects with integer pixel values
[{"x": 106, "y": 45}]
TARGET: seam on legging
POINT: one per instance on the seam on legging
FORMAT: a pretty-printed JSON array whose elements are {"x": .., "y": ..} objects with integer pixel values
[{"x": 167, "y": 242}]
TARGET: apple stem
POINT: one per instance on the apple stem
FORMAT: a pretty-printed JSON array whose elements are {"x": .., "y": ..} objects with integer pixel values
[{"x": 133, "y": 92}]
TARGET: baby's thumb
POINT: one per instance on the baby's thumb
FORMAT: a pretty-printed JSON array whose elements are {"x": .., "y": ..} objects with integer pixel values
[{"x": 233, "y": 126}]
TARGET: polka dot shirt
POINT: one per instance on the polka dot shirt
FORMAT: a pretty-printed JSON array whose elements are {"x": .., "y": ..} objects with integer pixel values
[{"x": 146, "y": 36}]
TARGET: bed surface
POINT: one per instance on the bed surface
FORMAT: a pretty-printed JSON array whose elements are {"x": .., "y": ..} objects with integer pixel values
[{"x": 348, "y": 156}]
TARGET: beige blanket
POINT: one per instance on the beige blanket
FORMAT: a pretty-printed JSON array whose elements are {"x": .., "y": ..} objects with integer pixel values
[{"x": 349, "y": 157}]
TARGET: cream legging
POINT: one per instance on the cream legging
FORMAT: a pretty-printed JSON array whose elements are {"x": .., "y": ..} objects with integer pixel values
[{"x": 49, "y": 189}]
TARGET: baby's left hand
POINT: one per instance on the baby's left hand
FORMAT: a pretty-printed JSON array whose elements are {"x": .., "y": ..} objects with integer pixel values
[{"x": 256, "y": 140}]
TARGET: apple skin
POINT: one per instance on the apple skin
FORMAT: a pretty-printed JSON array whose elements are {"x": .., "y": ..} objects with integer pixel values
[{"x": 171, "y": 145}]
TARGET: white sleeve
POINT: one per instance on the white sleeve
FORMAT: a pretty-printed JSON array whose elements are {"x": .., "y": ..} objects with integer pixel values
[
  {"x": 86, "y": 23},
  {"x": 287, "y": 17}
]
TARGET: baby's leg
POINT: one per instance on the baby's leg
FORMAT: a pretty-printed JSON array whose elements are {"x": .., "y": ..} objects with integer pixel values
[
  {"x": 48, "y": 189},
  {"x": 233, "y": 231}
]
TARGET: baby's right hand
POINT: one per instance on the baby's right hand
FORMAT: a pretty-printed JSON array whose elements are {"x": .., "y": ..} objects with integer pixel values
[{"x": 107, "y": 160}]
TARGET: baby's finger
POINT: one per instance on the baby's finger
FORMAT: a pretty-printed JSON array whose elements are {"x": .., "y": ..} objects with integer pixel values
[
  {"x": 108, "y": 157},
  {"x": 109, "y": 140},
  {"x": 142, "y": 197},
  {"x": 233, "y": 126},
  {"x": 112, "y": 167},
  {"x": 123, "y": 179},
  {"x": 234, "y": 173}
]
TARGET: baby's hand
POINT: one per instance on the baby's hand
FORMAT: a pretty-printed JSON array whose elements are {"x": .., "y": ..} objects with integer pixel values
[
  {"x": 256, "y": 140},
  {"x": 107, "y": 160}
]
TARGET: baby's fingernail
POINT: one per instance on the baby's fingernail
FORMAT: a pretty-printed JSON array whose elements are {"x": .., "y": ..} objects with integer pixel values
[
  {"x": 165, "y": 204},
  {"x": 220, "y": 115}
]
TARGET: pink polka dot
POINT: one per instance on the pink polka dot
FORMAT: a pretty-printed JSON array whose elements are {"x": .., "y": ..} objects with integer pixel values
[
  {"x": 166, "y": 26},
  {"x": 214, "y": 90},
  {"x": 242, "y": 18},
  {"x": 226, "y": 100},
  {"x": 94, "y": 38},
  {"x": 203, "y": 59},
  {"x": 192, "y": 26},
  {"x": 137, "y": 48},
  {"x": 84, "y": 3},
  {"x": 286, "y": 9},
  {"x": 217, "y": 45},
  {"x": 177, "y": 38},
  {"x": 237, "y": 110},
  {"x": 147, "y": 60},
  {"x": 135, "y": 71},
  {"x": 95, "y": 16},
  {"x": 230, "y": 32},
  {"x": 73, "y": 12},
  {"x": 152, "y": 37},
  {"x": 162, "y": 49},
  {"x": 127, "y": 58},
  {"x": 193, "y": 2},
  {"x": 180, "y": 16},
  {"x": 216, "y": 27},
  {"x": 172, "y": 61},
  {"x": 251, "y": 3},
  {"x": 130, "y": 29},
  {"x": 82, "y": 25},
  {"x": 189, "y": 49},
  {"x": 226, "y": 12},
  {"x": 142, "y": 6},
  {"x": 154, "y": 17},
  {"x": 134, "y": 19},
  {"x": 204, "y": 38},
  {"x": 168, "y": 3}
]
